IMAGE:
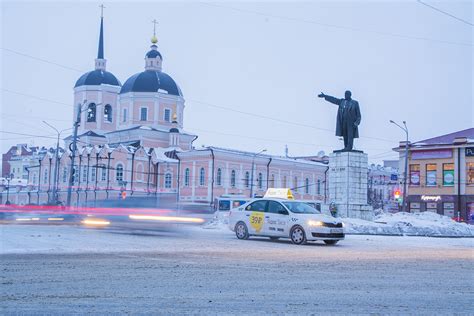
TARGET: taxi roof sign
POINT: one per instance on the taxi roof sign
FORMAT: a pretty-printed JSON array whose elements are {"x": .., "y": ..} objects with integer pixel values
[{"x": 280, "y": 193}]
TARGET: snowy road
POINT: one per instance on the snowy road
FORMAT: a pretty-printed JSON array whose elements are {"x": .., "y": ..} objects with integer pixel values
[{"x": 58, "y": 269}]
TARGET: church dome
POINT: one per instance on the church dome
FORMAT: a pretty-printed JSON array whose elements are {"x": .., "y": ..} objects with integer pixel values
[
  {"x": 96, "y": 78},
  {"x": 151, "y": 81}
]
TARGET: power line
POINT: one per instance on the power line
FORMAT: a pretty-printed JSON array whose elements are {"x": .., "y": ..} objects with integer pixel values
[
  {"x": 40, "y": 59},
  {"x": 444, "y": 12},
  {"x": 342, "y": 27},
  {"x": 22, "y": 134}
]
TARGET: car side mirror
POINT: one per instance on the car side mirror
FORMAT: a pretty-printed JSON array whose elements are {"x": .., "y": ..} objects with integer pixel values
[{"x": 283, "y": 212}]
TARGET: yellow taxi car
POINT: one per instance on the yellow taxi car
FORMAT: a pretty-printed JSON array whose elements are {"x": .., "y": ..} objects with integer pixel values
[{"x": 278, "y": 215}]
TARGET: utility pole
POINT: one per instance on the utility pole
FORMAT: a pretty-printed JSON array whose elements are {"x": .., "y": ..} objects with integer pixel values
[
  {"x": 405, "y": 177},
  {"x": 56, "y": 162},
  {"x": 74, "y": 146},
  {"x": 253, "y": 165}
]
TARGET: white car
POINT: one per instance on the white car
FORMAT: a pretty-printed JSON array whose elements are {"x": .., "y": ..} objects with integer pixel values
[{"x": 284, "y": 218}]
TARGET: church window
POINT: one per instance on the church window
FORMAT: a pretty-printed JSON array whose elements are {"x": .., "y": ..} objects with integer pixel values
[
  {"x": 306, "y": 186},
  {"x": 143, "y": 114},
  {"x": 103, "y": 173},
  {"x": 91, "y": 109},
  {"x": 260, "y": 180},
  {"x": 167, "y": 115},
  {"x": 219, "y": 176},
  {"x": 168, "y": 181},
  {"x": 186, "y": 177},
  {"x": 45, "y": 176},
  {"x": 319, "y": 186},
  {"x": 202, "y": 174},
  {"x": 108, "y": 113},
  {"x": 295, "y": 184},
  {"x": 247, "y": 179},
  {"x": 124, "y": 119},
  {"x": 64, "y": 175},
  {"x": 119, "y": 173},
  {"x": 232, "y": 179}
]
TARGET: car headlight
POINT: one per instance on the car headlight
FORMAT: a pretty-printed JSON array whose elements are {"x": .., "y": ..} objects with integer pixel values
[{"x": 315, "y": 223}]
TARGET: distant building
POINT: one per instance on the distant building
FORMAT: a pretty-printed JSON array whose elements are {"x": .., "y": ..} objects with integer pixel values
[
  {"x": 382, "y": 182},
  {"x": 441, "y": 174}
]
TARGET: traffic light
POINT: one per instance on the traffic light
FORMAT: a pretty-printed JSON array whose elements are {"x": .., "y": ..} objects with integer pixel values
[{"x": 396, "y": 194}]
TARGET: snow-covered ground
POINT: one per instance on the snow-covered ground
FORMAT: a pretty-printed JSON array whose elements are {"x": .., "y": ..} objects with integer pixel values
[
  {"x": 195, "y": 271},
  {"x": 411, "y": 224}
]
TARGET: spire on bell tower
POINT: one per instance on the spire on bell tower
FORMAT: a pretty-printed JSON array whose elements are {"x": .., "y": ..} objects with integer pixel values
[
  {"x": 100, "y": 60},
  {"x": 153, "y": 58}
]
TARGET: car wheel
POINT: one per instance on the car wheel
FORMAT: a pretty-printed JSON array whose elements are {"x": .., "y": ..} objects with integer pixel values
[
  {"x": 241, "y": 231},
  {"x": 274, "y": 238},
  {"x": 297, "y": 235},
  {"x": 331, "y": 242}
]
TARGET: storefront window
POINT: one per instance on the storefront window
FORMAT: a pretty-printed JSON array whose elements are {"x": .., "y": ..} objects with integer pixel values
[
  {"x": 470, "y": 172},
  {"x": 448, "y": 209},
  {"x": 414, "y": 174},
  {"x": 448, "y": 174},
  {"x": 431, "y": 175}
]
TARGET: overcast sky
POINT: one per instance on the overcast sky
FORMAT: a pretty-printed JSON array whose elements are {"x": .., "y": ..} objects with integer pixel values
[{"x": 401, "y": 59}]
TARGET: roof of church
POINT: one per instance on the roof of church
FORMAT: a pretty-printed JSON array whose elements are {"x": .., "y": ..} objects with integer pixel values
[
  {"x": 96, "y": 78},
  {"x": 151, "y": 81}
]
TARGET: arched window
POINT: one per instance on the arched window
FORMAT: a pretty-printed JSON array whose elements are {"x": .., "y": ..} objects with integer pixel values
[
  {"x": 306, "y": 186},
  {"x": 168, "y": 181},
  {"x": 45, "y": 176},
  {"x": 34, "y": 178},
  {"x": 232, "y": 179},
  {"x": 64, "y": 174},
  {"x": 319, "y": 186},
  {"x": 91, "y": 111},
  {"x": 186, "y": 177},
  {"x": 108, "y": 113},
  {"x": 247, "y": 179},
  {"x": 119, "y": 172},
  {"x": 272, "y": 183},
  {"x": 295, "y": 184},
  {"x": 103, "y": 176},
  {"x": 260, "y": 180},
  {"x": 84, "y": 173},
  {"x": 219, "y": 176},
  {"x": 284, "y": 182},
  {"x": 201, "y": 176}
]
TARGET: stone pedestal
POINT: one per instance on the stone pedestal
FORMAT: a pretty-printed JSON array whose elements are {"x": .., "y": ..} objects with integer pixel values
[{"x": 348, "y": 184}]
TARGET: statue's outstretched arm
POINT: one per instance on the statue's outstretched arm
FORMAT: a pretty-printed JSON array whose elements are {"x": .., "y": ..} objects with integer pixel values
[{"x": 332, "y": 99}]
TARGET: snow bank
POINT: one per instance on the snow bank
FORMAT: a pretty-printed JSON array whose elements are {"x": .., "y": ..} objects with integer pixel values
[{"x": 411, "y": 224}]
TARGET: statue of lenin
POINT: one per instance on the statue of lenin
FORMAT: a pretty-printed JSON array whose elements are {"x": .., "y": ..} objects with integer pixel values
[{"x": 348, "y": 118}]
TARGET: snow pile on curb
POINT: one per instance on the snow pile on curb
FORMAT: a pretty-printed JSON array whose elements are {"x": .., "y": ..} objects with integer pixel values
[
  {"x": 412, "y": 224},
  {"x": 219, "y": 221}
]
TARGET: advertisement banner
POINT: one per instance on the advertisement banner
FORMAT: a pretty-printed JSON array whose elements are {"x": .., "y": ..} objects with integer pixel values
[
  {"x": 415, "y": 177},
  {"x": 448, "y": 177},
  {"x": 431, "y": 178},
  {"x": 432, "y": 154},
  {"x": 469, "y": 151}
]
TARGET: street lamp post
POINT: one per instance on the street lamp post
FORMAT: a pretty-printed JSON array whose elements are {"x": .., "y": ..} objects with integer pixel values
[
  {"x": 405, "y": 180},
  {"x": 9, "y": 178},
  {"x": 253, "y": 165},
  {"x": 56, "y": 162}
]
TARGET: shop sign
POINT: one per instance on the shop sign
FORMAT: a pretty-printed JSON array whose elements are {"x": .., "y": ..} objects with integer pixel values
[
  {"x": 469, "y": 151},
  {"x": 431, "y": 154},
  {"x": 448, "y": 177},
  {"x": 429, "y": 198},
  {"x": 449, "y": 205}
]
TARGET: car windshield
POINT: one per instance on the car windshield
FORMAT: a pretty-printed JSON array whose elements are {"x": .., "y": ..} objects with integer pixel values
[{"x": 301, "y": 208}]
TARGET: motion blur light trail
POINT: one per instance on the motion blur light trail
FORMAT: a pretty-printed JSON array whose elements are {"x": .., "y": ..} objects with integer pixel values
[{"x": 168, "y": 218}]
